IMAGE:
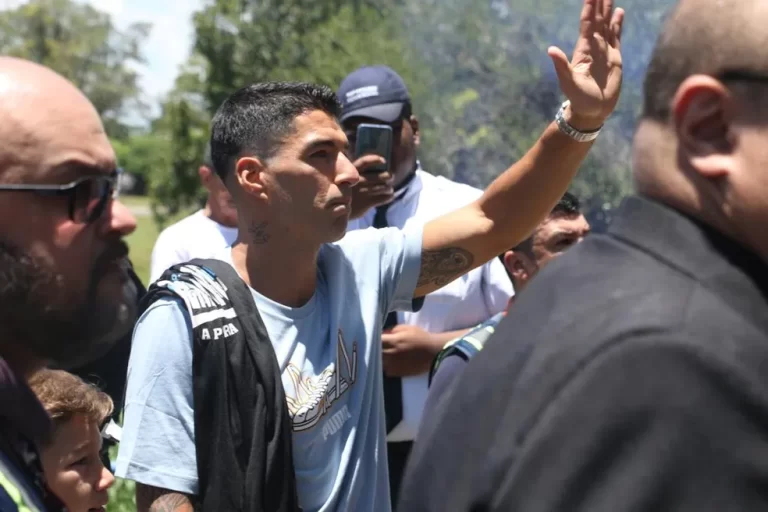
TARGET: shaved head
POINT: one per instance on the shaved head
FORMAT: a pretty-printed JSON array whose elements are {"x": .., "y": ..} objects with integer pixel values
[
  {"x": 707, "y": 37},
  {"x": 46, "y": 120},
  {"x": 65, "y": 294},
  {"x": 700, "y": 144}
]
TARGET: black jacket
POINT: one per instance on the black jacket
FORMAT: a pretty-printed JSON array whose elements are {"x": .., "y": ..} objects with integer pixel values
[
  {"x": 242, "y": 428},
  {"x": 631, "y": 375}
]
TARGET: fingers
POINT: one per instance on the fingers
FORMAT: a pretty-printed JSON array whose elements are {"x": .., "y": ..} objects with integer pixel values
[
  {"x": 587, "y": 19},
  {"x": 375, "y": 189},
  {"x": 617, "y": 25},
  {"x": 562, "y": 65},
  {"x": 368, "y": 161},
  {"x": 607, "y": 10},
  {"x": 600, "y": 16}
]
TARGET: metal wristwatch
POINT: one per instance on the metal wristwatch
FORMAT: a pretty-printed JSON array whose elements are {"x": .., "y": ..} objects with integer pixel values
[{"x": 572, "y": 132}]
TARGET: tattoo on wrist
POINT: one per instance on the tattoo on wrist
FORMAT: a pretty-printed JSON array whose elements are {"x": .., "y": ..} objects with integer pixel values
[
  {"x": 154, "y": 499},
  {"x": 442, "y": 266},
  {"x": 259, "y": 233}
]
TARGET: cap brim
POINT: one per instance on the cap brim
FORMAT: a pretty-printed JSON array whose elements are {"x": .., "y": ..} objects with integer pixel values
[{"x": 386, "y": 112}]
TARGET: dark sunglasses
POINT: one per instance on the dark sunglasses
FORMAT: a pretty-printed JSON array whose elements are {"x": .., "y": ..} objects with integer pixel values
[
  {"x": 88, "y": 196},
  {"x": 741, "y": 75}
]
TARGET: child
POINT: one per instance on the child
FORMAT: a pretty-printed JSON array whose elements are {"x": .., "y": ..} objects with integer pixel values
[{"x": 70, "y": 457}]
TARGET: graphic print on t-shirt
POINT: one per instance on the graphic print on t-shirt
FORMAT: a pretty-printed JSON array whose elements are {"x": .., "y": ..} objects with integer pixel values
[{"x": 313, "y": 395}]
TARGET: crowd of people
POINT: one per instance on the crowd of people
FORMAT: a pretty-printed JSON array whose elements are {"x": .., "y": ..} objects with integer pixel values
[{"x": 337, "y": 331}]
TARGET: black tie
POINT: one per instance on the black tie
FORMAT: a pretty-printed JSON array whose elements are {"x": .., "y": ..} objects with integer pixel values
[{"x": 393, "y": 390}]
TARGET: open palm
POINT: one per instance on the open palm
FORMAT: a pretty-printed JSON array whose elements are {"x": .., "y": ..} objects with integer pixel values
[{"x": 591, "y": 80}]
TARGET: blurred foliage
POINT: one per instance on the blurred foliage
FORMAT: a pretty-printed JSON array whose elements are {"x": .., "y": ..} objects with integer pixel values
[
  {"x": 482, "y": 84},
  {"x": 81, "y": 43}
]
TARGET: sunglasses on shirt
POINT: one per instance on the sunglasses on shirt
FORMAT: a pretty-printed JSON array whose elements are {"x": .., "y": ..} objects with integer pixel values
[{"x": 88, "y": 196}]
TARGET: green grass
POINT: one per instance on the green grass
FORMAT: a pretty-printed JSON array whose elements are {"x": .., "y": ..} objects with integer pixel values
[
  {"x": 122, "y": 495},
  {"x": 141, "y": 241},
  {"x": 134, "y": 201}
]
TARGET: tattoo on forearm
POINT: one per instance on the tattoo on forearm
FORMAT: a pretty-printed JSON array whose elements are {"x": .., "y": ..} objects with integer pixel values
[
  {"x": 154, "y": 499},
  {"x": 442, "y": 266},
  {"x": 259, "y": 233}
]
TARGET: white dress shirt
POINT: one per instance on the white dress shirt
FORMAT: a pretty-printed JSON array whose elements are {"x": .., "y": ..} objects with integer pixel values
[{"x": 463, "y": 303}]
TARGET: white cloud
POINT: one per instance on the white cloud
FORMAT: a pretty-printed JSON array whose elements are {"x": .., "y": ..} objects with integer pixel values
[
  {"x": 10, "y": 4},
  {"x": 168, "y": 45}
]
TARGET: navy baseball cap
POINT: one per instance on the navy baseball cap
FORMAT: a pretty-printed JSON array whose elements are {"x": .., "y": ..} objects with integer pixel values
[{"x": 373, "y": 91}]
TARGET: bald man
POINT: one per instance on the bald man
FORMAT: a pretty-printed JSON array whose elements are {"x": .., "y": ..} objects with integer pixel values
[
  {"x": 65, "y": 294},
  {"x": 633, "y": 373}
]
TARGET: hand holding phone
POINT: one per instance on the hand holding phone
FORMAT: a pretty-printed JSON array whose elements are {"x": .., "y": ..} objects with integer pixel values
[{"x": 374, "y": 139}]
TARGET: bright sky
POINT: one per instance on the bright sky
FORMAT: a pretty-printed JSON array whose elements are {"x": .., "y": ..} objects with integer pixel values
[{"x": 168, "y": 44}]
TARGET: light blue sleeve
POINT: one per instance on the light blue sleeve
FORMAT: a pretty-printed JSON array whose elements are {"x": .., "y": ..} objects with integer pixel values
[
  {"x": 400, "y": 257},
  {"x": 158, "y": 442}
]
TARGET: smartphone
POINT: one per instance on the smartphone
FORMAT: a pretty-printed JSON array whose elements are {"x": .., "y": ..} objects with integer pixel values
[{"x": 374, "y": 139}]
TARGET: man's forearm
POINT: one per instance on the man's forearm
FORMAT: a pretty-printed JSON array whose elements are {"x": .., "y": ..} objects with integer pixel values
[
  {"x": 507, "y": 212},
  {"x": 517, "y": 201},
  {"x": 155, "y": 499}
]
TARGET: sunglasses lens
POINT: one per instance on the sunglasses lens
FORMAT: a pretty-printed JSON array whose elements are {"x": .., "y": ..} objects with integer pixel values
[{"x": 90, "y": 199}]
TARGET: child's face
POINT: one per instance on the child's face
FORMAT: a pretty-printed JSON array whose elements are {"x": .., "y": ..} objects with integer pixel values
[{"x": 73, "y": 468}]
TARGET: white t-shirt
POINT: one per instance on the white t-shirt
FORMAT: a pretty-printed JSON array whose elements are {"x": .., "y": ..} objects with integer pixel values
[
  {"x": 196, "y": 236},
  {"x": 463, "y": 303}
]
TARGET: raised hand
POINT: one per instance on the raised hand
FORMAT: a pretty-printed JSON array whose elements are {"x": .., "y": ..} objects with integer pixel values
[{"x": 591, "y": 80}]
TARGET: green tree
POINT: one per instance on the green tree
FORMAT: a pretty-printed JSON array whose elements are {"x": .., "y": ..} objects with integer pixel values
[
  {"x": 81, "y": 43},
  {"x": 482, "y": 83},
  {"x": 141, "y": 156},
  {"x": 495, "y": 89},
  {"x": 182, "y": 132},
  {"x": 237, "y": 43}
]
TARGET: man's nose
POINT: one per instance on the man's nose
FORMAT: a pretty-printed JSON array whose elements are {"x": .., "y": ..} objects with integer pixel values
[
  {"x": 346, "y": 173},
  {"x": 120, "y": 219}
]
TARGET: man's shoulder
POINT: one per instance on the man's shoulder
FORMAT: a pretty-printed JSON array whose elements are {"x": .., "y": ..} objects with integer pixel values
[
  {"x": 600, "y": 298},
  {"x": 189, "y": 224},
  {"x": 365, "y": 240}
]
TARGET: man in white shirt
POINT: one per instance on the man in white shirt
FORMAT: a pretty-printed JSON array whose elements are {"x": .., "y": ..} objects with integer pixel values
[
  {"x": 402, "y": 196},
  {"x": 202, "y": 234}
]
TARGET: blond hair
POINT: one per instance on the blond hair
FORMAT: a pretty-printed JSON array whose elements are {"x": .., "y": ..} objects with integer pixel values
[{"x": 64, "y": 395}]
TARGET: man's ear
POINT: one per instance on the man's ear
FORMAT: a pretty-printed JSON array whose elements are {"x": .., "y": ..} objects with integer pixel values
[
  {"x": 249, "y": 173},
  {"x": 703, "y": 111},
  {"x": 414, "y": 121},
  {"x": 516, "y": 266},
  {"x": 206, "y": 175}
]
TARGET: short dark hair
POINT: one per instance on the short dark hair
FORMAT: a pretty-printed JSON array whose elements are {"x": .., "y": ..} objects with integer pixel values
[
  {"x": 567, "y": 206},
  {"x": 259, "y": 117}
]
